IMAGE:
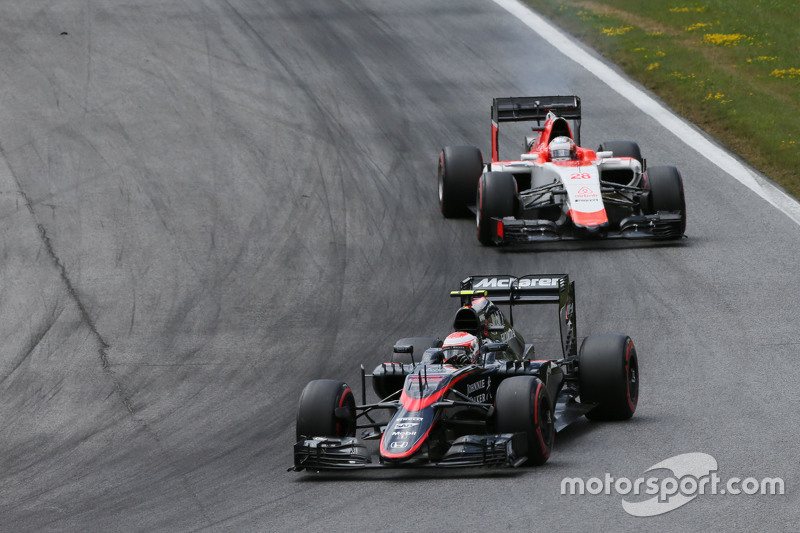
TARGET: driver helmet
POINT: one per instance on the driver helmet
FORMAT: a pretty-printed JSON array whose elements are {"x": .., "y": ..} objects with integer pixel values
[
  {"x": 460, "y": 343},
  {"x": 563, "y": 149}
]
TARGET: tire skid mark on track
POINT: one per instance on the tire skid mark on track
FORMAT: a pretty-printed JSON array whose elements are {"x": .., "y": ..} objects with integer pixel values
[
  {"x": 117, "y": 387},
  {"x": 70, "y": 288}
]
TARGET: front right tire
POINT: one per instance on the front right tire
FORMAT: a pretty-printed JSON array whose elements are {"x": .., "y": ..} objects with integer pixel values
[
  {"x": 609, "y": 376},
  {"x": 666, "y": 192},
  {"x": 523, "y": 406}
]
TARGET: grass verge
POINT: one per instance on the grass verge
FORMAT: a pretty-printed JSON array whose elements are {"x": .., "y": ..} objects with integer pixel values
[{"x": 730, "y": 66}]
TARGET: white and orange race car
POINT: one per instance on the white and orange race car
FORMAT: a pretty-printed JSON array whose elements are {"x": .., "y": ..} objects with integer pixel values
[{"x": 556, "y": 189}]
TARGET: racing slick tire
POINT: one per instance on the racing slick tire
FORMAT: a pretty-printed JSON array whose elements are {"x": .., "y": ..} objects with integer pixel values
[
  {"x": 327, "y": 408},
  {"x": 666, "y": 192},
  {"x": 622, "y": 149},
  {"x": 460, "y": 167},
  {"x": 420, "y": 344},
  {"x": 609, "y": 376},
  {"x": 497, "y": 193},
  {"x": 523, "y": 406}
]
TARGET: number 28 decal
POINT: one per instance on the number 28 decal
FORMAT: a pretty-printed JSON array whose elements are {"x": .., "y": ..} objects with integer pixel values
[{"x": 581, "y": 176}]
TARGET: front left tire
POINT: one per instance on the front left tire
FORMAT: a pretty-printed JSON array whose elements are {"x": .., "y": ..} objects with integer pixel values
[
  {"x": 460, "y": 167},
  {"x": 327, "y": 408}
]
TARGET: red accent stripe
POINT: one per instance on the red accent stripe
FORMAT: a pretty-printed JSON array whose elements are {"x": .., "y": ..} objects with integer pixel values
[
  {"x": 495, "y": 155},
  {"x": 341, "y": 403},
  {"x": 536, "y": 421},
  {"x": 500, "y": 228},
  {"x": 414, "y": 405},
  {"x": 401, "y": 455},
  {"x": 627, "y": 375},
  {"x": 418, "y": 404},
  {"x": 588, "y": 219}
]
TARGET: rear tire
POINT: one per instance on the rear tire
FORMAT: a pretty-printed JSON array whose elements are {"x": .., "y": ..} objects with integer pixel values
[
  {"x": 327, "y": 408},
  {"x": 522, "y": 406},
  {"x": 460, "y": 167},
  {"x": 609, "y": 376},
  {"x": 622, "y": 149},
  {"x": 666, "y": 192},
  {"x": 497, "y": 192}
]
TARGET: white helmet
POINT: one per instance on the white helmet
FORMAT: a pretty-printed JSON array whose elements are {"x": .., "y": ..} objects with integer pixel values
[
  {"x": 563, "y": 149},
  {"x": 461, "y": 347}
]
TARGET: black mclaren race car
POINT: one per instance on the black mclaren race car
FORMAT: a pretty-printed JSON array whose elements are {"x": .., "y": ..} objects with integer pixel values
[
  {"x": 479, "y": 397},
  {"x": 556, "y": 189}
]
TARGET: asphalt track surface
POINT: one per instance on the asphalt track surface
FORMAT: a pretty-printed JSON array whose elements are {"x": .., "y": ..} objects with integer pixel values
[{"x": 205, "y": 205}]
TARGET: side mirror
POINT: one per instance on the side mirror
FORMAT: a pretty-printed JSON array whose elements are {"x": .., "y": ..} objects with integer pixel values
[
  {"x": 605, "y": 155},
  {"x": 404, "y": 348}
]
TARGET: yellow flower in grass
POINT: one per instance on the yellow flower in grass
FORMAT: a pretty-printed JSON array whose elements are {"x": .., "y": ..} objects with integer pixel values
[
  {"x": 723, "y": 39},
  {"x": 687, "y": 9},
  {"x": 622, "y": 30},
  {"x": 762, "y": 59},
  {"x": 698, "y": 26},
  {"x": 652, "y": 66},
  {"x": 717, "y": 97},
  {"x": 786, "y": 74}
]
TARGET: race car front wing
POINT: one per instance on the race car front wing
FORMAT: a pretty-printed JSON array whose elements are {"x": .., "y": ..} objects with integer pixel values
[
  {"x": 348, "y": 453},
  {"x": 521, "y": 231}
]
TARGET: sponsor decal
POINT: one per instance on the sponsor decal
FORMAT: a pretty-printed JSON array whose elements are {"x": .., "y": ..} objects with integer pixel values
[
  {"x": 417, "y": 418},
  {"x": 396, "y": 445},
  {"x": 674, "y": 483},
  {"x": 504, "y": 283},
  {"x": 403, "y": 433},
  {"x": 585, "y": 192},
  {"x": 406, "y": 425},
  {"x": 472, "y": 387}
]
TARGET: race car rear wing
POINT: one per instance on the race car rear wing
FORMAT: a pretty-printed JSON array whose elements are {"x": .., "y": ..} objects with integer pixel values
[
  {"x": 530, "y": 108},
  {"x": 516, "y": 109},
  {"x": 530, "y": 289}
]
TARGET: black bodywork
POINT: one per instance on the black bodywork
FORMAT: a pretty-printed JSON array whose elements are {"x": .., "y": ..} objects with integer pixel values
[{"x": 445, "y": 414}]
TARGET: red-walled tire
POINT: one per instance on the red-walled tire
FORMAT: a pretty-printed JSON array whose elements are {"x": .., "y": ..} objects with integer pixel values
[
  {"x": 609, "y": 376},
  {"x": 522, "y": 406},
  {"x": 327, "y": 408}
]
